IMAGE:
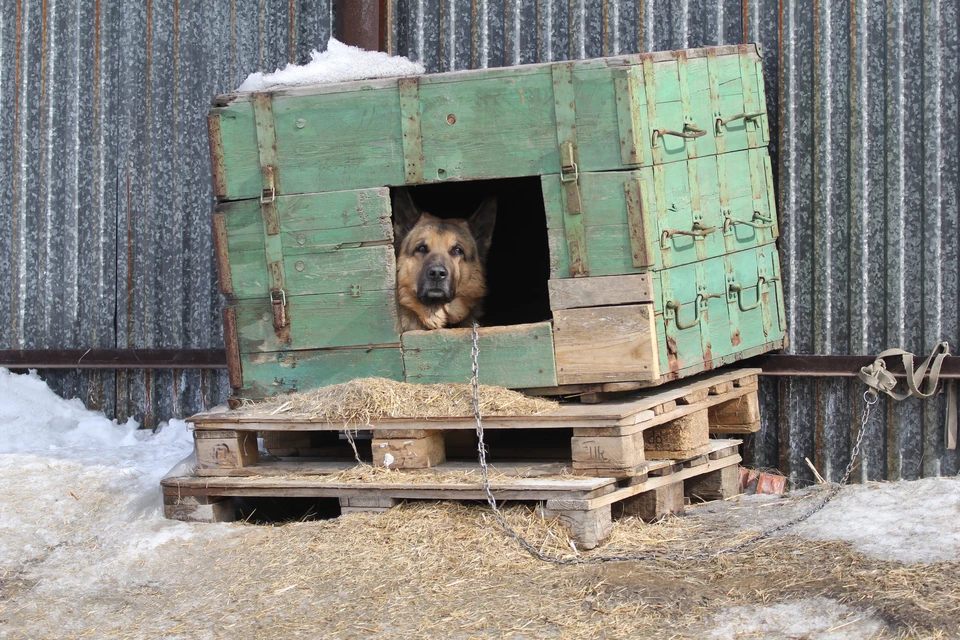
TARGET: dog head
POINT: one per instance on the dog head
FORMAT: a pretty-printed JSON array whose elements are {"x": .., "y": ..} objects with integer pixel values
[{"x": 441, "y": 259}]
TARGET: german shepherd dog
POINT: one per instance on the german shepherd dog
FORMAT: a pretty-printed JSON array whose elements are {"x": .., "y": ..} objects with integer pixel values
[{"x": 440, "y": 264}]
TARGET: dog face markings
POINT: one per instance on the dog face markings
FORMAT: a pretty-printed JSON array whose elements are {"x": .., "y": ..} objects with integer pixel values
[{"x": 440, "y": 263}]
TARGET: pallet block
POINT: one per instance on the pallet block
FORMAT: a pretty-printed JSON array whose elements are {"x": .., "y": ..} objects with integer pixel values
[
  {"x": 716, "y": 485},
  {"x": 413, "y": 449},
  {"x": 226, "y": 449},
  {"x": 198, "y": 508}
]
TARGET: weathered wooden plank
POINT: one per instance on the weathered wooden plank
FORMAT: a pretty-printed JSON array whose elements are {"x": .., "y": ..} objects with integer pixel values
[
  {"x": 512, "y": 356},
  {"x": 651, "y": 482},
  {"x": 222, "y": 254},
  {"x": 312, "y": 226},
  {"x": 216, "y": 155},
  {"x": 320, "y": 321},
  {"x": 231, "y": 345},
  {"x": 501, "y": 126},
  {"x": 629, "y": 88},
  {"x": 605, "y": 344},
  {"x": 273, "y": 373},
  {"x": 351, "y": 271},
  {"x": 570, "y": 293},
  {"x": 733, "y": 429},
  {"x": 474, "y": 125},
  {"x": 516, "y": 488}
]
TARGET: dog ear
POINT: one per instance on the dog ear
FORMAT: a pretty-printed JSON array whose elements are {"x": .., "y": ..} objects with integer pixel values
[
  {"x": 481, "y": 225},
  {"x": 405, "y": 215}
]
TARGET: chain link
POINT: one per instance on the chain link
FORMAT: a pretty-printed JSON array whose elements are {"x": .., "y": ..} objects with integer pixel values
[{"x": 870, "y": 398}]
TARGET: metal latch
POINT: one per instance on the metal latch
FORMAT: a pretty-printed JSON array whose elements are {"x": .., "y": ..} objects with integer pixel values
[
  {"x": 278, "y": 302},
  {"x": 569, "y": 176}
]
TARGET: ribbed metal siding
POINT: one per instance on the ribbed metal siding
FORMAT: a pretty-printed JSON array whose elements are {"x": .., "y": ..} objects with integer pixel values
[
  {"x": 105, "y": 179},
  {"x": 863, "y": 100},
  {"x": 105, "y": 163}
]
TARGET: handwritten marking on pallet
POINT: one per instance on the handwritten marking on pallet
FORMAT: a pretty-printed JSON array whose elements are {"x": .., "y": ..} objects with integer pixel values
[
  {"x": 226, "y": 449},
  {"x": 607, "y": 452}
]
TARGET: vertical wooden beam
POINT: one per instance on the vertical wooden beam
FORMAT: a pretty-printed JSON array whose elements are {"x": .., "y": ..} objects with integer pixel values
[{"x": 360, "y": 23}]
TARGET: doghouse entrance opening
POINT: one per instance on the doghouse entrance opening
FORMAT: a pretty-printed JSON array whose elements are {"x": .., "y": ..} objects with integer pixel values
[{"x": 518, "y": 265}]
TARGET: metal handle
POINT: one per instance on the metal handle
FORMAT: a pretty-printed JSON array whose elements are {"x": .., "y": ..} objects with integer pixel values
[
  {"x": 695, "y": 132},
  {"x": 738, "y": 289},
  {"x": 699, "y": 231},
  {"x": 722, "y": 122},
  {"x": 278, "y": 302},
  {"x": 674, "y": 306},
  {"x": 764, "y": 223}
]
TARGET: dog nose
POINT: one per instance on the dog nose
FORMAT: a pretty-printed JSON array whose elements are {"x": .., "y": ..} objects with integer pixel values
[{"x": 437, "y": 272}]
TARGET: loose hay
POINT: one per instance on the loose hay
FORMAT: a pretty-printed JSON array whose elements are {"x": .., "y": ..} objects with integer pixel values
[
  {"x": 429, "y": 570},
  {"x": 365, "y": 400}
]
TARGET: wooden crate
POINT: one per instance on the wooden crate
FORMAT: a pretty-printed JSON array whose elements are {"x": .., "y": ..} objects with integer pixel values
[{"x": 658, "y": 215}]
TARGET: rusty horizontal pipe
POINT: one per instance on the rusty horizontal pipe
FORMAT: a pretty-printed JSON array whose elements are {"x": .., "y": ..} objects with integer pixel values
[
  {"x": 813, "y": 366},
  {"x": 783, "y": 365},
  {"x": 113, "y": 359}
]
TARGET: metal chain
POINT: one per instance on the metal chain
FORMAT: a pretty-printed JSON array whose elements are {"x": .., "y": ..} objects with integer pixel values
[{"x": 870, "y": 398}]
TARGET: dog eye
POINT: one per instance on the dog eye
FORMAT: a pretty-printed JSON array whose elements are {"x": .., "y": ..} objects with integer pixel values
[
  {"x": 457, "y": 251},
  {"x": 422, "y": 248}
]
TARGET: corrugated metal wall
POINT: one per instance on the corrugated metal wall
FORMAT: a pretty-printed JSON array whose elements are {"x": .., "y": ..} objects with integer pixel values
[
  {"x": 105, "y": 179},
  {"x": 105, "y": 164},
  {"x": 864, "y": 117}
]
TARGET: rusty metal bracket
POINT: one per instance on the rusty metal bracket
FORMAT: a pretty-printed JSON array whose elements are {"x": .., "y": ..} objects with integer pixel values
[
  {"x": 409, "y": 89},
  {"x": 267, "y": 148},
  {"x": 278, "y": 303},
  {"x": 628, "y": 84},
  {"x": 564, "y": 103}
]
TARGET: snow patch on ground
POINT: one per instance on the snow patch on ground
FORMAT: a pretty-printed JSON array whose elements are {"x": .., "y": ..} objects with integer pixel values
[
  {"x": 810, "y": 618},
  {"x": 908, "y": 522},
  {"x": 81, "y": 493},
  {"x": 339, "y": 63}
]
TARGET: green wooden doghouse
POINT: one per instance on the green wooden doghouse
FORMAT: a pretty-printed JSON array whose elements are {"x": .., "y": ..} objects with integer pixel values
[{"x": 635, "y": 241}]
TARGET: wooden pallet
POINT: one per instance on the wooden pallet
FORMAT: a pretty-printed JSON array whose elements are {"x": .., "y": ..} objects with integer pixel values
[
  {"x": 585, "y": 506},
  {"x": 611, "y": 439}
]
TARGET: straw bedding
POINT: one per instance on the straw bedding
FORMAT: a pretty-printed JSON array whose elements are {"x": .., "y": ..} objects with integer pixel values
[
  {"x": 365, "y": 400},
  {"x": 427, "y": 570}
]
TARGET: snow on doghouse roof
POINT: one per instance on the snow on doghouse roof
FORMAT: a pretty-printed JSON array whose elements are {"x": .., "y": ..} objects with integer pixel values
[{"x": 339, "y": 63}]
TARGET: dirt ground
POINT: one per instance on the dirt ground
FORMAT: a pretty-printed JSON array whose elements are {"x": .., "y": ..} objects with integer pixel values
[{"x": 429, "y": 570}]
